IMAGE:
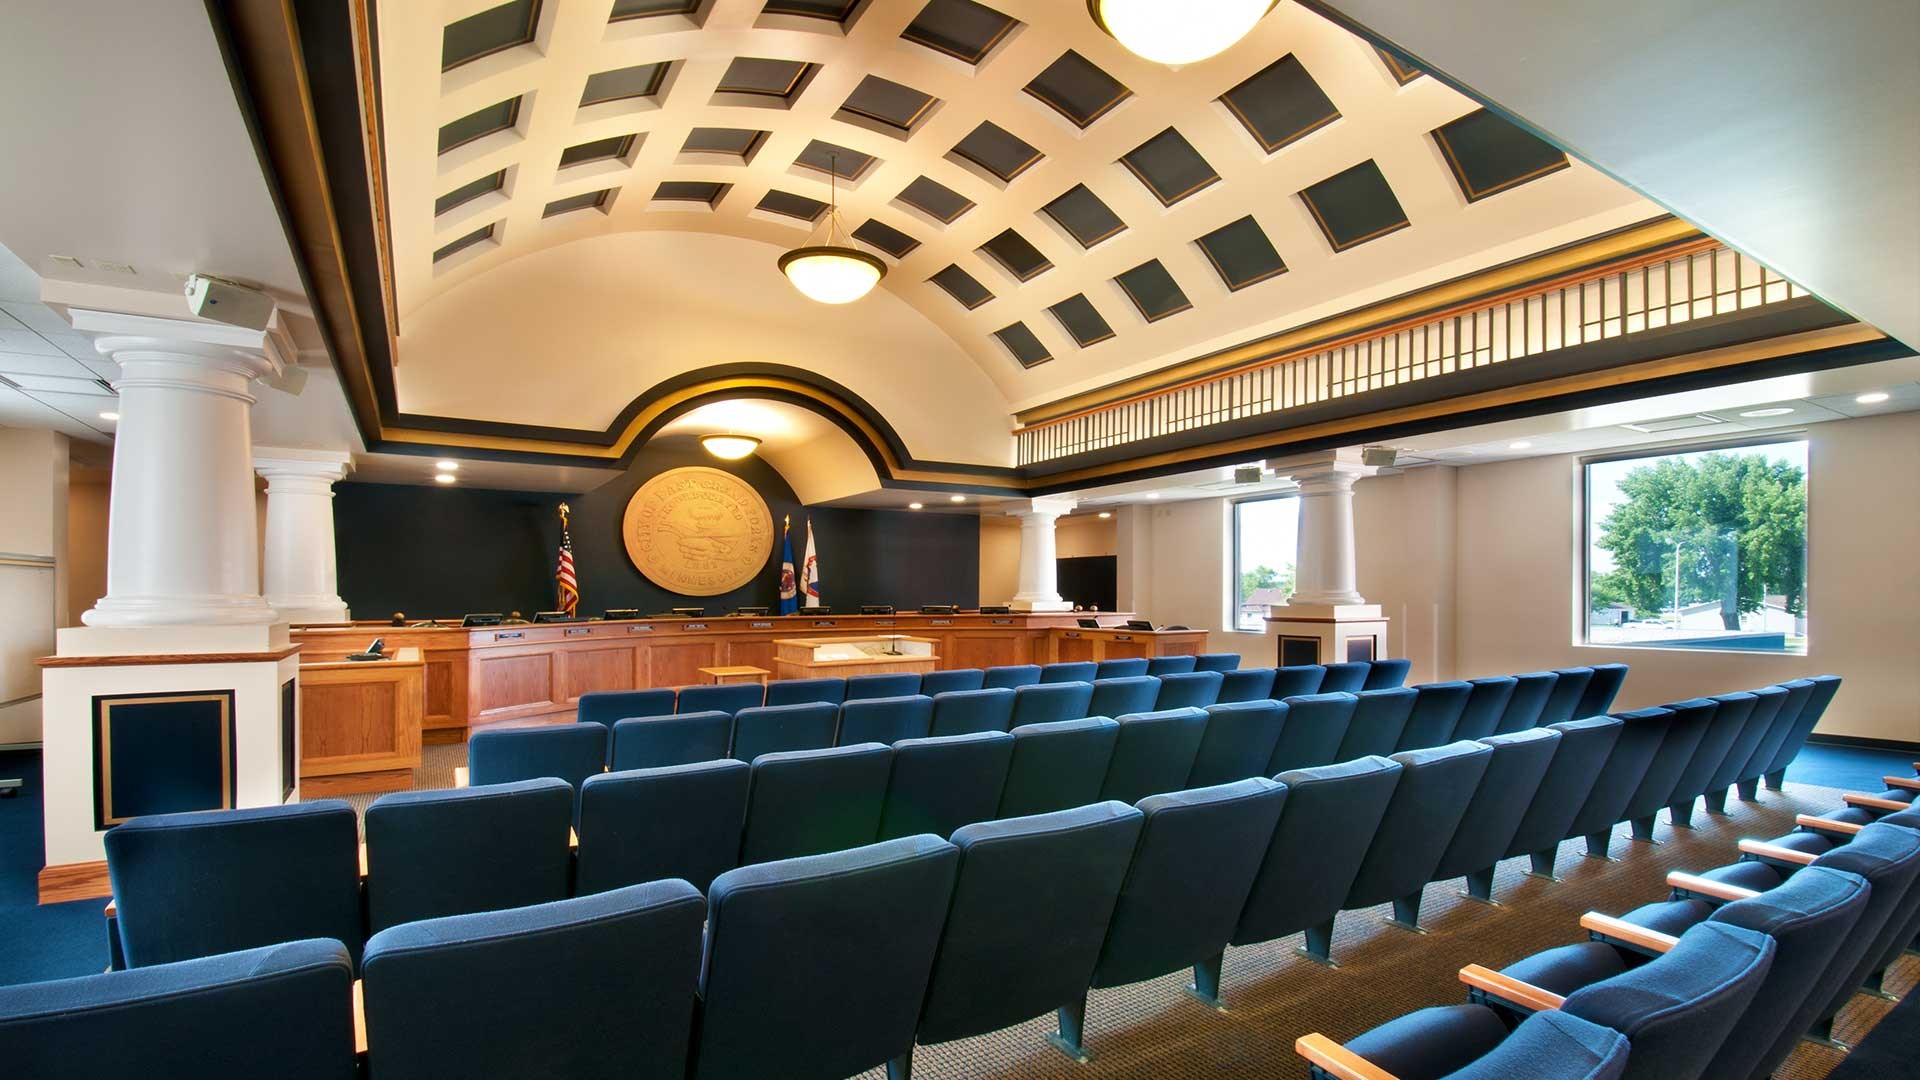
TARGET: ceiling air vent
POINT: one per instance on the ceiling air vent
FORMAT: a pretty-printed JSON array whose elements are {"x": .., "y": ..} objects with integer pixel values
[{"x": 1674, "y": 423}]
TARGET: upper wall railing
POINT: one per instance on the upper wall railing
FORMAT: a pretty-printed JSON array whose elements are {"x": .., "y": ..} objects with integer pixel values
[{"x": 1626, "y": 300}]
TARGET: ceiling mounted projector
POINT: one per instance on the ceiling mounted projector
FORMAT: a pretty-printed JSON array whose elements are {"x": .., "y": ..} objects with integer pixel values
[{"x": 220, "y": 300}]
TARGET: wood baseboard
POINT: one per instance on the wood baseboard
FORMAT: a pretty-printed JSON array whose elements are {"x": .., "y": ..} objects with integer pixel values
[
  {"x": 361, "y": 783},
  {"x": 74, "y": 881},
  {"x": 445, "y": 736}
]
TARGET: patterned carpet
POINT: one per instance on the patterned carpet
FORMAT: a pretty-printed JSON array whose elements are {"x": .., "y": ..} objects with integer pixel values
[{"x": 1153, "y": 1031}]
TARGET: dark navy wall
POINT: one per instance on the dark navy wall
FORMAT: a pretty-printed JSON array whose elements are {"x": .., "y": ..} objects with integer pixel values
[{"x": 446, "y": 550}]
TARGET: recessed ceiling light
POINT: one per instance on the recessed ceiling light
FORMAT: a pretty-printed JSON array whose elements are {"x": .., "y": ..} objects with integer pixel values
[
  {"x": 1758, "y": 414},
  {"x": 916, "y": 506},
  {"x": 1521, "y": 444},
  {"x": 1153, "y": 494},
  {"x": 447, "y": 466},
  {"x": 443, "y": 478},
  {"x": 1105, "y": 514},
  {"x": 116, "y": 416},
  {"x": 1874, "y": 398},
  {"x": 956, "y": 498}
]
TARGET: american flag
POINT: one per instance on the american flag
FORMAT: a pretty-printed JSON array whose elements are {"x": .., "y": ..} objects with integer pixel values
[{"x": 563, "y": 576}]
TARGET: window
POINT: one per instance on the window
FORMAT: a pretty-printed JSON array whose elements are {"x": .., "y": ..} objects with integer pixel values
[
  {"x": 1266, "y": 533},
  {"x": 1703, "y": 549}
]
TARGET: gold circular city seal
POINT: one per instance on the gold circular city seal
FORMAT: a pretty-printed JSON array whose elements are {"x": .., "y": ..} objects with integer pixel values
[{"x": 698, "y": 531}]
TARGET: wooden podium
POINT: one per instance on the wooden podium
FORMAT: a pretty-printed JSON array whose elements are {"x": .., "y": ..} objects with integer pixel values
[
  {"x": 360, "y": 724},
  {"x": 882, "y": 654}
]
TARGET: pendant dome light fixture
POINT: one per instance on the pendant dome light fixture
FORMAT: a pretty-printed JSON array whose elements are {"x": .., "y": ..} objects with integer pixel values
[
  {"x": 1177, "y": 32},
  {"x": 827, "y": 272},
  {"x": 729, "y": 447}
]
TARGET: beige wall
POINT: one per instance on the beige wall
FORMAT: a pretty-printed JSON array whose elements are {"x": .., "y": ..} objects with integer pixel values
[
  {"x": 86, "y": 542},
  {"x": 1073, "y": 537},
  {"x": 1084, "y": 535},
  {"x": 33, "y": 570}
]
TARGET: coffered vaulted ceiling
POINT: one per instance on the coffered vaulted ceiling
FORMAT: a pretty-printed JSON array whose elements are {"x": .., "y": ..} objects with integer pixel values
[{"x": 1066, "y": 213}]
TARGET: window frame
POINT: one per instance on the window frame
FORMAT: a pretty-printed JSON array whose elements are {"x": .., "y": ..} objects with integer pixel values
[
  {"x": 1232, "y": 620},
  {"x": 1583, "y": 615}
]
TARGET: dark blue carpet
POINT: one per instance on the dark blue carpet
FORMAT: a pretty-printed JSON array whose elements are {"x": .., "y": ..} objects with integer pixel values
[
  {"x": 51, "y": 942},
  {"x": 1849, "y": 768}
]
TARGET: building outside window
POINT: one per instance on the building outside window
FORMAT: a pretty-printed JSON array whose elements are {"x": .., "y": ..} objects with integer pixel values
[
  {"x": 1266, "y": 535},
  {"x": 1702, "y": 549}
]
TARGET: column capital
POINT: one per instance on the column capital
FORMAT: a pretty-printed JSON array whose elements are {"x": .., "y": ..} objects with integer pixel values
[
  {"x": 276, "y": 464},
  {"x": 1049, "y": 507},
  {"x": 235, "y": 350},
  {"x": 1326, "y": 471}
]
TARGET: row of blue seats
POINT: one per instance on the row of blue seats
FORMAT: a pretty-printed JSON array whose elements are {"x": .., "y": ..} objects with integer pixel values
[{"x": 1719, "y": 980}]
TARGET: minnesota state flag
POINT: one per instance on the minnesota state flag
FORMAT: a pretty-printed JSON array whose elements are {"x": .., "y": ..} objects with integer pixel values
[{"x": 789, "y": 594}]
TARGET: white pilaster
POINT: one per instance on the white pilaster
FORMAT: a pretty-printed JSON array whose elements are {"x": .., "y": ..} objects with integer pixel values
[
  {"x": 301, "y": 573},
  {"x": 1324, "y": 568},
  {"x": 1039, "y": 581}
]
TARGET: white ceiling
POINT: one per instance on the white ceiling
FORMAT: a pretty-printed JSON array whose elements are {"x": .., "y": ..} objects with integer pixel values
[{"x": 1789, "y": 130}]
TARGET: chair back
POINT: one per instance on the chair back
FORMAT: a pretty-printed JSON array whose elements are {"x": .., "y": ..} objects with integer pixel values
[
  {"x": 1071, "y": 671},
  {"x": 1435, "y": 787},
  {"x": 1217, "y": 661},
  {"x": 654, "y": 742},
  {"x": 602, "y": 987},
  {"x": 218, "y": 881},
  {"x": 810, "y": 802},
  {"x": 1569, "y": 685},
  {"x": 1011, "y": 676},
  {"x": 1528, "y": 702},
  {"x": 1049, "y": 702},
  {"x": 1598, "y": 697},
  {"x": 451, "y": 852},
  {"x": 608, "y": 707},
  {"x": 1239, "y": 741},
  {"x": 1246, "y": 684},
  {"x": 676, "y": 821},
  {"x": 1154, "y": 753},
  {"x": 1346, "y": 677},
  {"x": 1171, "y": 665},
  {"x": 1123, "y": 694},
  {"x": 1322, "y": 835},
  {"x": 1379, "y": 717},
  {"x": 571, "y": 752},
  {"x": 1641, "y": 733},
  {"x": 1123, "y": 668},
  {"x": 1297, "y": 681},
  {"x": 1756, "y": 709},
  {"x": 885, "y": 719},
  {"x": 1553, "y": 1046},
  {"x": 1486, "y": 703},
  {"x": 938, "y": 784},
  {"x": 816, "y": 967},
  {"x": 1057, "y": 766},
  {"x": 1761, "y": 763},
  {"x": 1677, "y": 1009},
  {"x": 1888, "y": 856},
  {"x": 1188, "y": 690},
  {"x": 890, "y": 685},
  {"x": 1436, "y": 712},
  {"x": 773, "y": 729},
  {"x": 833, "y": 691},
  {"x": 946, "y": 682},
  {"x": 1824, "y": 687},
  {"x": 1500, "y": 799},
  {"x": 1685, "y": 727},
  {"x": 1387, "y": 674},
  {"x": 1583, "y": 750},
  {"x": 1725, "y": 721},
  {"x": 962, "y": 712},
  {"x": 730, "y": 698},
  {"x": 1316, "y": 725}
]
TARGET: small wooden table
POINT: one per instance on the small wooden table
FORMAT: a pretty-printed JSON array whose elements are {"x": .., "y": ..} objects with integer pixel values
[{"x": 739, "y": 673}]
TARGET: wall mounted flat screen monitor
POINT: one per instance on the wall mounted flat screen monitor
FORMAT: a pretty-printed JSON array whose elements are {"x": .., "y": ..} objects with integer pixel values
[
  {"x": 1139, "y": 624},
  {"x": 757, "y": 610},
  {"x": 690, "y": 612},
  {"x": 816, "y": 611},
  {"x": 613, "y": 613},
  {"x": 995, "y": 609},
  {"x": 551, "y": 616},
  {"x": 490, "y": 618},
  {"x": 876, "y": 609},
  {"x": 1088, "y": 624}
]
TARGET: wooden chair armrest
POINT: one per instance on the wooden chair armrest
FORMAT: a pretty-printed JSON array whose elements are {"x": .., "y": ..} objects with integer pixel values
[
  {"x": 1337, "y": 1061},
  {"x": 1610, "y": 929},
  {"x": 363, "y": 860},
  {"x": 1910, "y": 783},
  {"x": 1700, "y": 886},
  {"x": 111, "y": 911},
  {"x": 1525, "y": 995},
  {"x": 359, "y": 1019},
  {"x": 1775, "y": 853},
  {"x": 1821, "y": 824},
  {"x": 460, "y": 776},
  {"x": 1874, "y": 802}
]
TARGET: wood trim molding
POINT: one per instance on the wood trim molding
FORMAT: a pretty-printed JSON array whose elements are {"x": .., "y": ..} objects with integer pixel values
[
  {"x": 74, "y": 881},
  {"x": 135, "y": 660}
]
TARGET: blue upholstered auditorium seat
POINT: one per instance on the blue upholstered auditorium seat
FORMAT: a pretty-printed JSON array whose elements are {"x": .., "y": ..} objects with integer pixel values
[
  {"x": 1170, "y": 665},
  {"x": 946, "y": 682},
  {"x": 608, "y": 707},
  {"x": 1072, "y": 671},
  {"x": 218, "y": 881},
  {"x": 1546, "y": 1046},
  {"x": 1675, "y": 1012},
  {"x": 1198, "y": 853},
  {"x": 1808, "y": 917},
  {"x": 1435, "y": 787},
  {"x": 833, "y": 691},
  {"x": 1387, "y": 674},
  {"x": 1601, "y": 689},
  {"x": 284, "y": 1011},
  {"x": 1217, "y": 661},
  {"x": 1011, "y": 676},
  {"x": 938, "y": 784},
  {"x": 653, "y": 742},
  {"x": 1029, "y": 914},
  {"x": 1239, "y": 742},
  {"x": 1297, "y": 681},
  {"x": 839, "y": 998},
  {"x": 1154, "y": 753},
  {"x": 1123, "y": 694},
  {"x": 1766, "y": 705},
  {"x": 1527, "y": 702},
  {"x": 896, "y": 684},
  {"x": 730, "y": 698},
  {"x": 1824, "y": 687},
  {"x": 1188, "y": 690},
  {"x": 771, "y": 729},
  {"x": 1641, "y": 733},
  {"x": 1049, "y": 702},
  {"x": 1057, "y": 766},
  {"x": 1123, "y": 668},
  {"x": 678, "y": 821},
  {"x": 1316, "y": 724},
  {"x": 1379, "y": 716},
  {"x": 1323, "y": 833},
  {"x": 1501, "y": 798},
  {"x": 1729, "y": 718},
  {"x": 1347, "y": 677},
  {"x": 960, "y": 712},
  {"x": 810, "y": 802},
  {"x": 1246, "y": 684},
  {"x": 571, "y": 752},
  {"x": 1486, "y": 703},
  {"x": 885, "y": 719},
  {"x": 1685, "y": 727},
  {"x": 1569, "y": 686},
  {"x": 1436, "y": 712},
  {"x": 593, "y": 988},
  {"x": 1585, "y": 746},
  {"x": 434, "y": 853},
  {"x": 1798, "y": 691}
]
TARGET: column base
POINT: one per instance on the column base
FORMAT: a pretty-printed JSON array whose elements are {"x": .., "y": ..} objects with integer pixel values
[
  {"x": 1019, "y": 604},
  {"x": 180, "y": 611},
  {"x": 310, "y": 609},
  {"x": 1327, "y": 633}
]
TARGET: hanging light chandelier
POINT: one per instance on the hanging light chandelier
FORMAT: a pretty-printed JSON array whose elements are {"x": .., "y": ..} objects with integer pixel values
[
  {"x": 827, "y": 272},
  {"x": 729, "y": 447},
  {"x": 1176, "y": 32}
]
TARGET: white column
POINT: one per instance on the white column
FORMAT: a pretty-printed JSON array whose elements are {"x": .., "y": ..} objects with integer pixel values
[
  {"x": 1039, "y": 582},
  {"x": 301, "y": 573},
  {"x": 1324, "y": 567},
  {"x": 182, "y": 541}
]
